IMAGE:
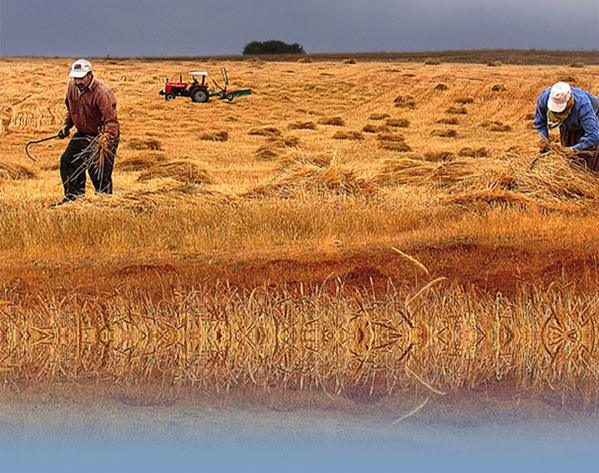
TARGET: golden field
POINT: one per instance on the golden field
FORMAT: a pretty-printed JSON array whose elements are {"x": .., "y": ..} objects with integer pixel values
[{"x": 299, "y": 192}]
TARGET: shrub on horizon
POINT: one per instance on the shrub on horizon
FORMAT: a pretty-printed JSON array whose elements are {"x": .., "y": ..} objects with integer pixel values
[{"x": 272, "y": 47}]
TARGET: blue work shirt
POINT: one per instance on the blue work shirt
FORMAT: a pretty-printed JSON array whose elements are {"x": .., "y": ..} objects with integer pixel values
[{"x": 583, "y": 117}]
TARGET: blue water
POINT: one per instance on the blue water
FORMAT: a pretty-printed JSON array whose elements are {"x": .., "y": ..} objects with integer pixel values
[{"x": 81, "y": 438}]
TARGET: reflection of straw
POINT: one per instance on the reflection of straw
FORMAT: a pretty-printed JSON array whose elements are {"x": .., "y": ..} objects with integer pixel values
[{"x": 412, "y": 412}]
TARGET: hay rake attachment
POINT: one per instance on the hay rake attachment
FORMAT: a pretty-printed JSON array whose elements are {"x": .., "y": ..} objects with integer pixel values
[{"x": 223, "y": 91}]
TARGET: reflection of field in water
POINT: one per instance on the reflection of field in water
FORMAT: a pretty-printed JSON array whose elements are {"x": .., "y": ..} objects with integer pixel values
[
  {"x": 116, "y": 437},
  {"x": 351, "y": 350}
]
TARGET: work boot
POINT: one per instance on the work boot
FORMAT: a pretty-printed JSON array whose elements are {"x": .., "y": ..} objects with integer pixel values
[{"x": 61, "y": 203}]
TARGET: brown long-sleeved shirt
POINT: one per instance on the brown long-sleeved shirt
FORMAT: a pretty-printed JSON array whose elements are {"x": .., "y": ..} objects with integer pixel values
[{"x": 92, "y": 111}]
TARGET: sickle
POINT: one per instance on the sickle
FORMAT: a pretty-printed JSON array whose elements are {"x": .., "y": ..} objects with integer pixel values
[{"x": 36, "y": 142}]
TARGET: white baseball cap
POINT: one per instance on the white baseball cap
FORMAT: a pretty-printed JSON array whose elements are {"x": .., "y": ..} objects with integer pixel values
[
  {"x": 80, "y": 69},
  {"x": 559, "y": 96}
]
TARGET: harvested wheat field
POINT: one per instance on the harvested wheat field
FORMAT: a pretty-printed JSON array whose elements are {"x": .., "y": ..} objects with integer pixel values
[{"x": 351, "y": 232}]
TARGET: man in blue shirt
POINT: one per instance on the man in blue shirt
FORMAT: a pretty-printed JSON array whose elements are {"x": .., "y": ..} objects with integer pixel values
[{"x": 575, "y": 112}]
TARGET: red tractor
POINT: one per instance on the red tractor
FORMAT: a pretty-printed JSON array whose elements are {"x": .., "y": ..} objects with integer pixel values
[{"x": 198, "y": 90}]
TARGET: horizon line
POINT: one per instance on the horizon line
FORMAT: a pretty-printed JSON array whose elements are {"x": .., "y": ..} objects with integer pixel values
[{"x": 318, "y": 54}]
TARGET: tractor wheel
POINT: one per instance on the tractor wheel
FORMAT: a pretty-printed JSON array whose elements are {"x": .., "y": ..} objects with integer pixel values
[
  {"x": 230, "y": 97},
  {"x": 169, "y": 96},
  {"x": 199, "y": 95}
]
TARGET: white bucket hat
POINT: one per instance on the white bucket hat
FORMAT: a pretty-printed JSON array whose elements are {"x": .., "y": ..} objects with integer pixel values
[
  {"x": 80, "y": 68},
  {"x": 559, "y": 96}
]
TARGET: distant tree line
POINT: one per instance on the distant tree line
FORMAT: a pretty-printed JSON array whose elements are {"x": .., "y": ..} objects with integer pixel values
[{"x": 272, "y": 47}]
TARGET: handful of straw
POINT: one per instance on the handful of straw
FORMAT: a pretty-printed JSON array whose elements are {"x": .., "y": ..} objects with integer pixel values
[
  {"x": 97, "y": 151},
  {"x": 95, "y": 154},
  {"x": 101, "y": 150}
]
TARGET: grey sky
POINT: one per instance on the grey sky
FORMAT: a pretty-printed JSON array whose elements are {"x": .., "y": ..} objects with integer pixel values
[{"x": 203, "y": 27}]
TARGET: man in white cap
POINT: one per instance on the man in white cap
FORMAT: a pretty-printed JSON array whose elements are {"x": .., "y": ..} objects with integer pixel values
[
  {"x": 575, "y": 112},
  {"x": 91, "y": 108}
]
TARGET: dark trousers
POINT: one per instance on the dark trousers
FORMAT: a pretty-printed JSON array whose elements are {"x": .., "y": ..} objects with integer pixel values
[
  {"x": 589, "y": 158},
  {"x": 77, "y": 161}
]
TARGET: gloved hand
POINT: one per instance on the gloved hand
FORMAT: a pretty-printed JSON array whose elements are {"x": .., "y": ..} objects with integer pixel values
[
  {"x": 64, "y": 132},
  {"x": 544, "y": 146},
  {"x": 105, "y": 139},
  {"x": 570, "y": 151},
  {"x": 567, "y": 150}
]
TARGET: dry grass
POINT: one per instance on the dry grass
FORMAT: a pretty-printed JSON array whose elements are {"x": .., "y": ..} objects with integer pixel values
[
  {"x": 15, "y": 172},
  {"x": 181, "y": 171},
  {"x": 496, "y": 126},
  {"x": 140, "y": 144},
  {"x": 378, "y": 116},
  {"x": 435, "y": 156},
  {"x": 397, "y": 146},
  {"x": 507, "y": 181},
  {"x": 141, "y": 160},
  {"x": 405, "y": 101},
  {"x": 268, "y": 152},
  {"x": 276, "y": 147},
  {"x": 159, "y": 194},
  {"x": 427, "y": 190},
  {"x": 258, "y": 152},
  {"x": 332, "y": 121},
  {"x": 370, "y": 128},
  {"x": 457, "y": 111},
  {"x": 554, "y": 178},
  {"x": 292, "y": 161},
  {"x": 398, "y": 123},
  {"x": 445, "y": 133},
  {"x": 454, "y": 173},
  {"x": 348, "y": 135},
  {"x": 474, "y": 152},
  {"x": 448, "y": 121},
  {"x": 306, "y": 177},
  {"x": 265, "y": 131},
  {"x": 285, "y": 142},
  {"x": 391, "y": 137},
  {"x": 403, "y": 171},
  {"x": 215, "y": 136},
  {"x": 309, "y": 125}
]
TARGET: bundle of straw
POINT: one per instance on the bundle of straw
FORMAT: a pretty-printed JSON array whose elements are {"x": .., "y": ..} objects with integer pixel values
[
  {"x": 312, "y": 178},
  {"x": 15, "y": 172}
]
